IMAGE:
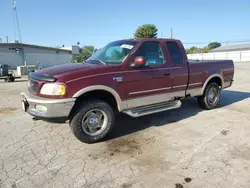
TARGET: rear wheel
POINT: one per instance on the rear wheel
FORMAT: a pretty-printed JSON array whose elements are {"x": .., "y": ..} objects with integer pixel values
[
  {"x": 9, "y": 79},
  {"x": 12, "y": 79},
  {"x": 210, "y": 97},
  {"x": 92, "y": 121}
]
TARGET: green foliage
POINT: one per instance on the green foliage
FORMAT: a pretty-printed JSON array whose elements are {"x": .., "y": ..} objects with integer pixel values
[
  {"x": 213, "y": 45},
  {"x": 206, "y": 49},
  {"x": 146, "y": 31},
  {"x": 85, "y": 53},
  {"x": 194, "y": 50}
]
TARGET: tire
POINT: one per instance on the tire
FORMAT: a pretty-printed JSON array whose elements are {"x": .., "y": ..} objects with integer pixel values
[
  {"x": 205, "y": 101},
  {"x": 8, "y": 79},
  {"x": 12, "y": 79},
  {"x": 87, "y": 117}
]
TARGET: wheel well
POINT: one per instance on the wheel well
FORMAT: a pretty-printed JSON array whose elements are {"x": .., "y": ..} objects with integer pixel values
[
  {"x": 215, "y": 80},
  {"x": 96, "y": 94}
]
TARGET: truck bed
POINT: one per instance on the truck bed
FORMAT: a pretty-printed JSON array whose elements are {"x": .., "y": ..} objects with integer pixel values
[{"x": 202, "y": 69}]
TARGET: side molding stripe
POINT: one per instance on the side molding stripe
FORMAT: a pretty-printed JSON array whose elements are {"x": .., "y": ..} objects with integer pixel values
[{"x": 120, "y": 72}]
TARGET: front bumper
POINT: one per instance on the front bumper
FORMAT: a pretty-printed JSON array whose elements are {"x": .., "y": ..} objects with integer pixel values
[{"x": 47, "y": 108}]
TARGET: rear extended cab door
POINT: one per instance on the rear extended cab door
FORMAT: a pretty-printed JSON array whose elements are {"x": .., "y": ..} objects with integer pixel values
[
  {"x": 149, "y": 84},
  {"x": 178, "y": 67}
]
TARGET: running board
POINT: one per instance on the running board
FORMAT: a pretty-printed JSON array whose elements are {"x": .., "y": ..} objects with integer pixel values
[{"x": 154, "y": 108}]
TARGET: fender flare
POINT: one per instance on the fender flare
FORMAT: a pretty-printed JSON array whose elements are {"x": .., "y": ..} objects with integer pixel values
[
  {"x": 120, "y": 104},
  {"x": 211, "y": 77}
]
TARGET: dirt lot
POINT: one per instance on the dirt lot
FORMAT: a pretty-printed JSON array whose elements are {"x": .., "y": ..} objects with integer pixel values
[{"x": 186, "y": 147}]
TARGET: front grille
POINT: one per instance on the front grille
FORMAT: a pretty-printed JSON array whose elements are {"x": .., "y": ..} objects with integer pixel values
[{"x": 33, "y": 86}]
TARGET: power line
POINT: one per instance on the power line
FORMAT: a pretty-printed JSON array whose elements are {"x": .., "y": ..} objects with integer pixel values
[{"x": 222, "y": 42}]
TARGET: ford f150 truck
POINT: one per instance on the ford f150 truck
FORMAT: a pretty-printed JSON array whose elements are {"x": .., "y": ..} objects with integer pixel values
[{"x": 136, "y": 77}]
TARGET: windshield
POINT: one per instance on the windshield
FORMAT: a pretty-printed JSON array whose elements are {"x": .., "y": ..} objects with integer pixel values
[{"x": 114, "y": 53}]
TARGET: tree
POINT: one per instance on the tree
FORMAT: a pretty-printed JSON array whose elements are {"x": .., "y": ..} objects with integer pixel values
[
  {"x": 146, "y": 31},
  {"x": 194, "y": 50},
  {"x": 213, "y": 45},
  {"x": 85, "y": 53}
]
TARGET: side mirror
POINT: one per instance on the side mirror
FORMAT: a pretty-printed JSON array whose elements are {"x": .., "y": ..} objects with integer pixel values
[{"x": 139, "y": 62}]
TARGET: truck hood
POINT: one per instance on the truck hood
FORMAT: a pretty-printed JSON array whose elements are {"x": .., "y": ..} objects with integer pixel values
[{"x": 66, "y": 69}]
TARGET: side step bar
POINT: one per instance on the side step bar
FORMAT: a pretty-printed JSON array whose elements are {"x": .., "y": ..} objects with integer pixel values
[{"x": 154, "y": 108}]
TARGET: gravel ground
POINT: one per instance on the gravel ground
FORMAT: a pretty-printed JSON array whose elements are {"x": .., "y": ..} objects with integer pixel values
[{"x": 186, "y": 147}]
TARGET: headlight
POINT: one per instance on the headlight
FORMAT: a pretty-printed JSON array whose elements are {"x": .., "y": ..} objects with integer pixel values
[{"x": 53, "y": 89}]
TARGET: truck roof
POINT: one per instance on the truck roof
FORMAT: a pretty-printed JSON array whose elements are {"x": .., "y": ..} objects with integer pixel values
[{"x": 150, "y": 39}]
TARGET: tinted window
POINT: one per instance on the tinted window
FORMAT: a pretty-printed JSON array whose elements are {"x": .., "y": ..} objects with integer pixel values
[
  {"x": 152, "y": 53},
  {"x": 175, "y": 52}
]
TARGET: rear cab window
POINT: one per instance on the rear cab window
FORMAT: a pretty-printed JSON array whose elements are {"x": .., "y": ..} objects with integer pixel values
[{"x": 175, "y": 52}]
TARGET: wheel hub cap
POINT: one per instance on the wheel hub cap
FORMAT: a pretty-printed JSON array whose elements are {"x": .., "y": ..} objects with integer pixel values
[
  {"x": 212, "y": 95},
  {"x": 93, "y": 121}
]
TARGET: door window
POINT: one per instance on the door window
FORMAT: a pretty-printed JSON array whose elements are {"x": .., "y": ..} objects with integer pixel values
[
  {"x": 152, "y": 52},
  {"x": 175, "y": 52}
]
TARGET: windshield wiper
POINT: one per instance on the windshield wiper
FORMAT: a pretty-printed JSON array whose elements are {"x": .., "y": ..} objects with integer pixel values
[{"x": 98, "y": 61}]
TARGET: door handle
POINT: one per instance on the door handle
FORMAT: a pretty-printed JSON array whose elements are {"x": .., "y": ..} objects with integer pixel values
[{"x": 167, "y": 74}]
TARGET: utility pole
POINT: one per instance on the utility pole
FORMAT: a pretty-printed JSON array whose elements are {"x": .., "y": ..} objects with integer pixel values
[
  {"x": 16, "y": 20},
  {"x": 16, "y": 24}
]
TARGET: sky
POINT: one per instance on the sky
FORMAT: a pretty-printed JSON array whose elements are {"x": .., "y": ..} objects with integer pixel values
[{"x": 97, "y": 22}]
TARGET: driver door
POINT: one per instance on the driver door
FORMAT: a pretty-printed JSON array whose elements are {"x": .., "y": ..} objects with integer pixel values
[{"x": 146, "y": 85}]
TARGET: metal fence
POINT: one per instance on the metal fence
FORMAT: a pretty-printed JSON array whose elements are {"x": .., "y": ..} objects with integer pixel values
[{"x": 237, "y": 56}]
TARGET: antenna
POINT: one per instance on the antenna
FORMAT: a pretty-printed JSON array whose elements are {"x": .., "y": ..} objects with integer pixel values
[{"x": 16, "y": 21}]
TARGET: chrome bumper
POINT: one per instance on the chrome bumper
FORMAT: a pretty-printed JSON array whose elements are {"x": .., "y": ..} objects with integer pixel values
[{"x": 47, "y": 108}]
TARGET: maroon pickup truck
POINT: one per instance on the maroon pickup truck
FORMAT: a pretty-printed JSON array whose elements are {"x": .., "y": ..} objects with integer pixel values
[{"x": 135, "y": 77}]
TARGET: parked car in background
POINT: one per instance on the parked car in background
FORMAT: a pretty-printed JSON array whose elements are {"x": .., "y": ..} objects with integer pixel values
[{"x": 6, "y": 74}]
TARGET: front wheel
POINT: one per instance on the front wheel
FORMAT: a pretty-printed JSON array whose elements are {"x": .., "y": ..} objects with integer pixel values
[
  {"x": 92, "y": 121},
  {"x": 210, "y": 97}
]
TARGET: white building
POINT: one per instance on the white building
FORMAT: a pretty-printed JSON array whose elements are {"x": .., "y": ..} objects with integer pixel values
[
  {"x": 232, "y": 48},
  {"x": 17, "y": 54}
]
